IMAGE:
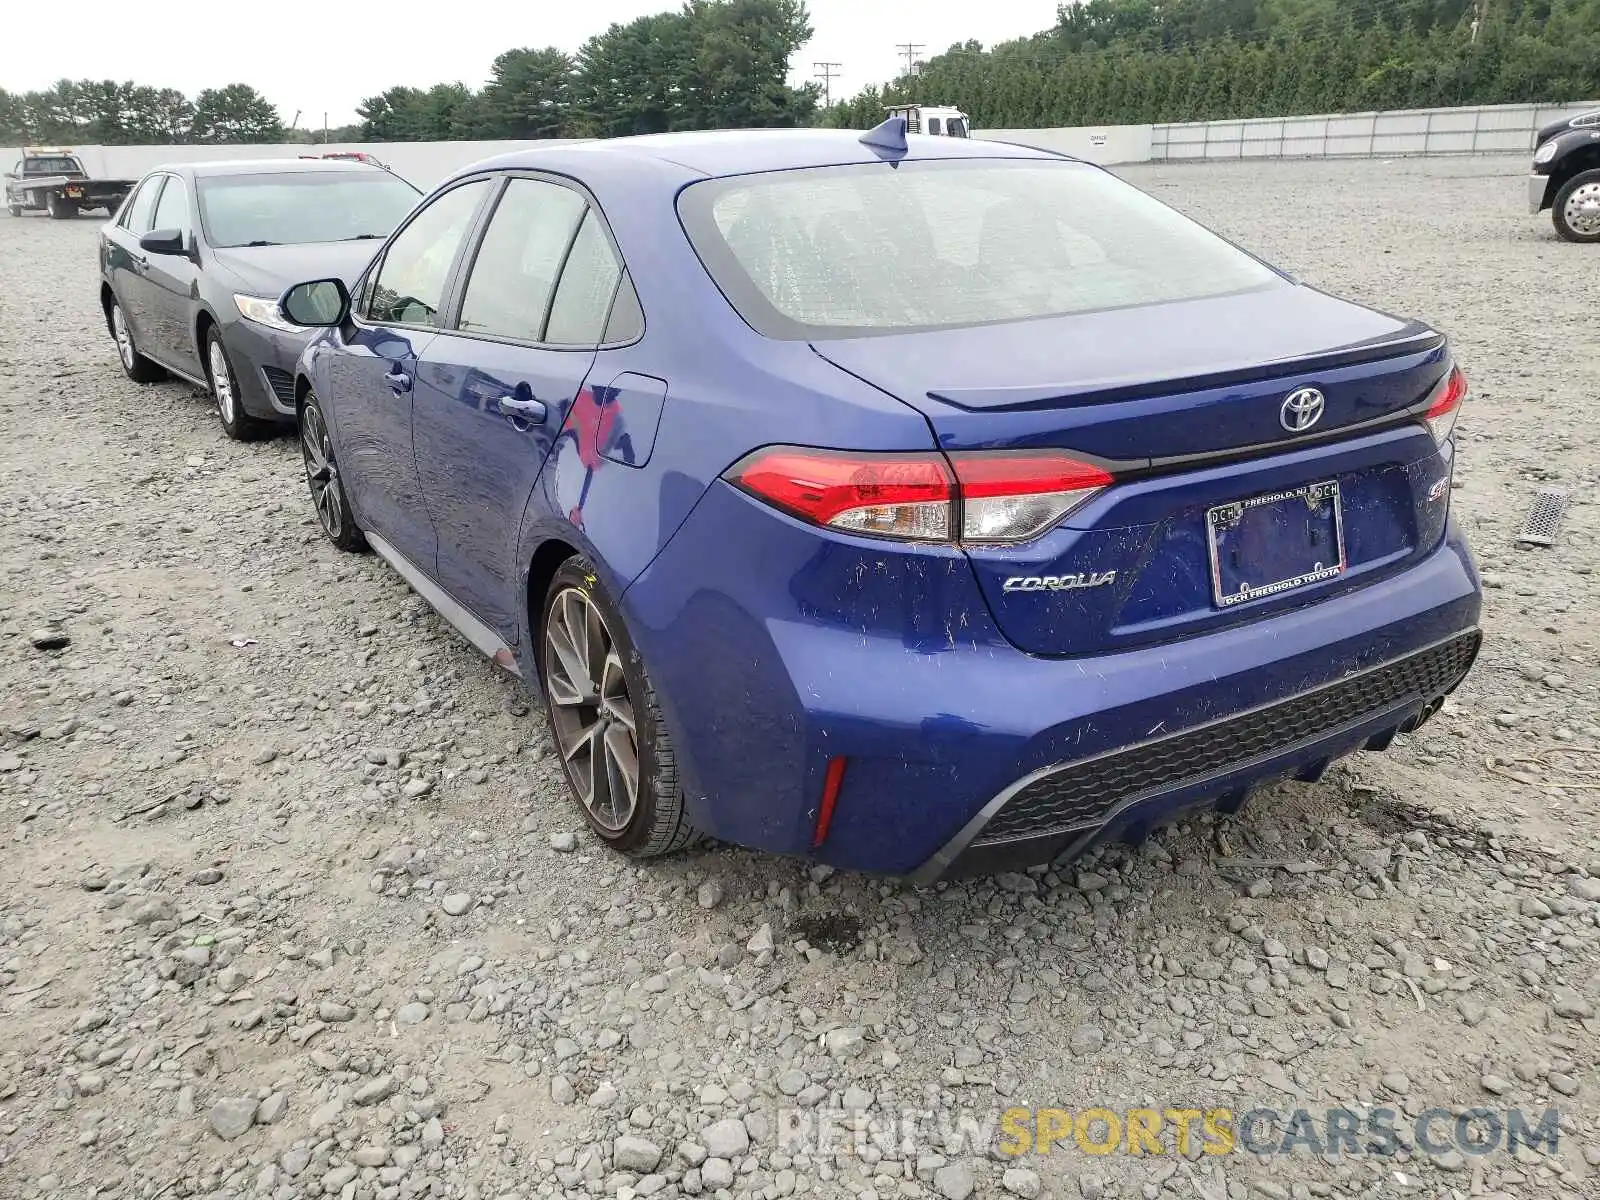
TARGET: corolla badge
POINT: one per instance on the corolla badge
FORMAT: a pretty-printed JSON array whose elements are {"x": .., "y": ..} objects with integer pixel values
[
  {"x": 1301, "y": 409},
  {"x": 1058, "y": 583}
]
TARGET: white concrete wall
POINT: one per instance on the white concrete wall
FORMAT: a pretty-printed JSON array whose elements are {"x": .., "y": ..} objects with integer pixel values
[
  {"x": 423, "y": 163},
  {"x": 1485, "y": 129},
  {"x": 1104, "y": 144},
  {"x": 1505, "y": 128},
  {"x": 426, "y": 163}
]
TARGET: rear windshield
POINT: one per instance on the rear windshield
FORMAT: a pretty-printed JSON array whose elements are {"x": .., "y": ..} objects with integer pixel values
[
  {"x": 854, "y": 251},
  {"x": 57, "y": 165},
  {"x": 296, "y": 207}
]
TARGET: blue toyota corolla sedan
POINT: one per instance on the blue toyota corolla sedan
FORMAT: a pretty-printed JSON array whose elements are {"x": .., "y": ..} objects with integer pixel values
[{"x": 915, "y": 505}]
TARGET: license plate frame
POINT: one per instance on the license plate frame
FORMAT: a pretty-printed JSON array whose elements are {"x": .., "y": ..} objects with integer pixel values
[{"x": 1323, "y": 510}]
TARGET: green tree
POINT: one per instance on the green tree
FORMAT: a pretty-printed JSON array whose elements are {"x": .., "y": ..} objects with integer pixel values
[
  {"x": 449, "y": 112},
  {"x": 529, "y": 95},
  {"x": 739, "y": 73},
  {"x": 53, "y": 114},
  {"x": 233, "y": 115},
  {"x": 1181, "y": 60},
  {"x": 13, "y": 120},
  {"x": 632, "y": 78},
  {"x": 392, "y": 116},
  {"x": 162, "y": 116}
]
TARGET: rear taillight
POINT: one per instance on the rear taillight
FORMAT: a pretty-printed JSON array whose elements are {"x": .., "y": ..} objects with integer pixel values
[
  {"x": 903, "y": 496},
  {"x": 1445, "y": 404},
  {"x": 979, "y": 498},
  {"x": 1014, "y": 497}
]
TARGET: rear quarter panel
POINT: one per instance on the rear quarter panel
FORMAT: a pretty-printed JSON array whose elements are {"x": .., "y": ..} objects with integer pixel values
[{"x": 727, "y": 391}]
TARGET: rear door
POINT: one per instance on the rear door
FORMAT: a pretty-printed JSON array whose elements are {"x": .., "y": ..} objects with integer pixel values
[
  {"x": 496, "y": 390},
  {"x": 370, "y": 378}
]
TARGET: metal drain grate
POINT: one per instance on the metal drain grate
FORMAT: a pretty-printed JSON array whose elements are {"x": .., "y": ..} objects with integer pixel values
[{"x": 1540, "y": 527}]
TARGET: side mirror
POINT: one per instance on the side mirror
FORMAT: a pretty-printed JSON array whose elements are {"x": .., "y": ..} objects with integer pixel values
[
  {"x": 163, "y": 241},
  {"x": 320, "y": 303}
]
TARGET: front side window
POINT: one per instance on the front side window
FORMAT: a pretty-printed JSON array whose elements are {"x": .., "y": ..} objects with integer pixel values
[
  {"x": 514, "y": 273},
  {"x": 955, "y": 127},
  {"x": 296, "y": 208},
  {"x": 410, "y": 283},
  {"x": 854, "y": 251},
  {"x": 172, "y": 210},
  {"x": 141, "y": 207}
]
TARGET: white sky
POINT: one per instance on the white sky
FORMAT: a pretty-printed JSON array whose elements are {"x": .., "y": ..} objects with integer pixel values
[{"x": 329, "y": 56}]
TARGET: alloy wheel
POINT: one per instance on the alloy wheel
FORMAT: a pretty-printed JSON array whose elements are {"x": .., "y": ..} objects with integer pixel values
[
  {"x": 591, "y": 710},
  {"x": 119, "y": 330},
  {"x": 322, "y": 473},
  {"x": 221, "y": 381},
  {"x": 1582, "y": 209}
]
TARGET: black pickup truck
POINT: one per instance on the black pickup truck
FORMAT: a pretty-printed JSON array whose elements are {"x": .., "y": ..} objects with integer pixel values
[
  {"x": 1566, "y": 176},
  {"x": 55, "y": 181}
]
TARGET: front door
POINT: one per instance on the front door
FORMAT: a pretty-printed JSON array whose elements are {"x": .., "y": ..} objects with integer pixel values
[
  {"x": 126, "y": 262},
  {"x": 370, "y": 378},
  {"x": 170, "y": 287},
  {"x": 494, "y": 392}
]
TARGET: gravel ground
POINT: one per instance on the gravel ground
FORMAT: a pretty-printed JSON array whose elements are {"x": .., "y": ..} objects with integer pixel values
[{"x": 295, "y": 905}]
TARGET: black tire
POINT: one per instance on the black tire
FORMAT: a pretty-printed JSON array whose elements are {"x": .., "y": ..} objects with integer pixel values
[
  {"x": 236, "y": 423},
  {"x": 1588, "y": 183},
  {"x": 134, "y": 365},
  {"x": 59, "y": 207},
  {"x": 657, "y": 822},
  {"x": 328, "y": 497},
  {"x": 14, "y": 209}
]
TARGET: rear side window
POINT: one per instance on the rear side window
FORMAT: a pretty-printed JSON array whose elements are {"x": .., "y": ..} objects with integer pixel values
[
  {"x": 516, "y": 267},
  {"x": 626, "y": 322},
  {"x": 409, "y": 288},
  {"x": 588, "y": 282},
  {"x": 855, "y": 251},
  {"x": 52, "y": 165},
  {"x": 136, "y": 217}
]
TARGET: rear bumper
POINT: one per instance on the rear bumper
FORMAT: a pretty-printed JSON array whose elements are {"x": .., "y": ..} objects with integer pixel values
[
  {"x": 776, "y": 650},
  {"x": 1067, "y": 808}
]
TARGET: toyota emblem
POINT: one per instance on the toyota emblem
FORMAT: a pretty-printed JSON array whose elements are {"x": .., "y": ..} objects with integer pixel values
[{"x": 1302, "y": 408}]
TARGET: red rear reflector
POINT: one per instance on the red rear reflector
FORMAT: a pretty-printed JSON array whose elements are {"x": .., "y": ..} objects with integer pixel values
[
  {"x": 1447, "y": 398},
  {"x": 831, "y": 784}
]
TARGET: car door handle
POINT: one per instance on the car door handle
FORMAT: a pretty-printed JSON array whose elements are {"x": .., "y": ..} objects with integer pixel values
[
  {"x": 530, "y": 410},
  {"x": 398, "y": 381}
]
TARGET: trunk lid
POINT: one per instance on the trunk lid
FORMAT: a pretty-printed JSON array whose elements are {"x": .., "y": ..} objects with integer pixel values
[{"x": 1184, "y": 402}]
